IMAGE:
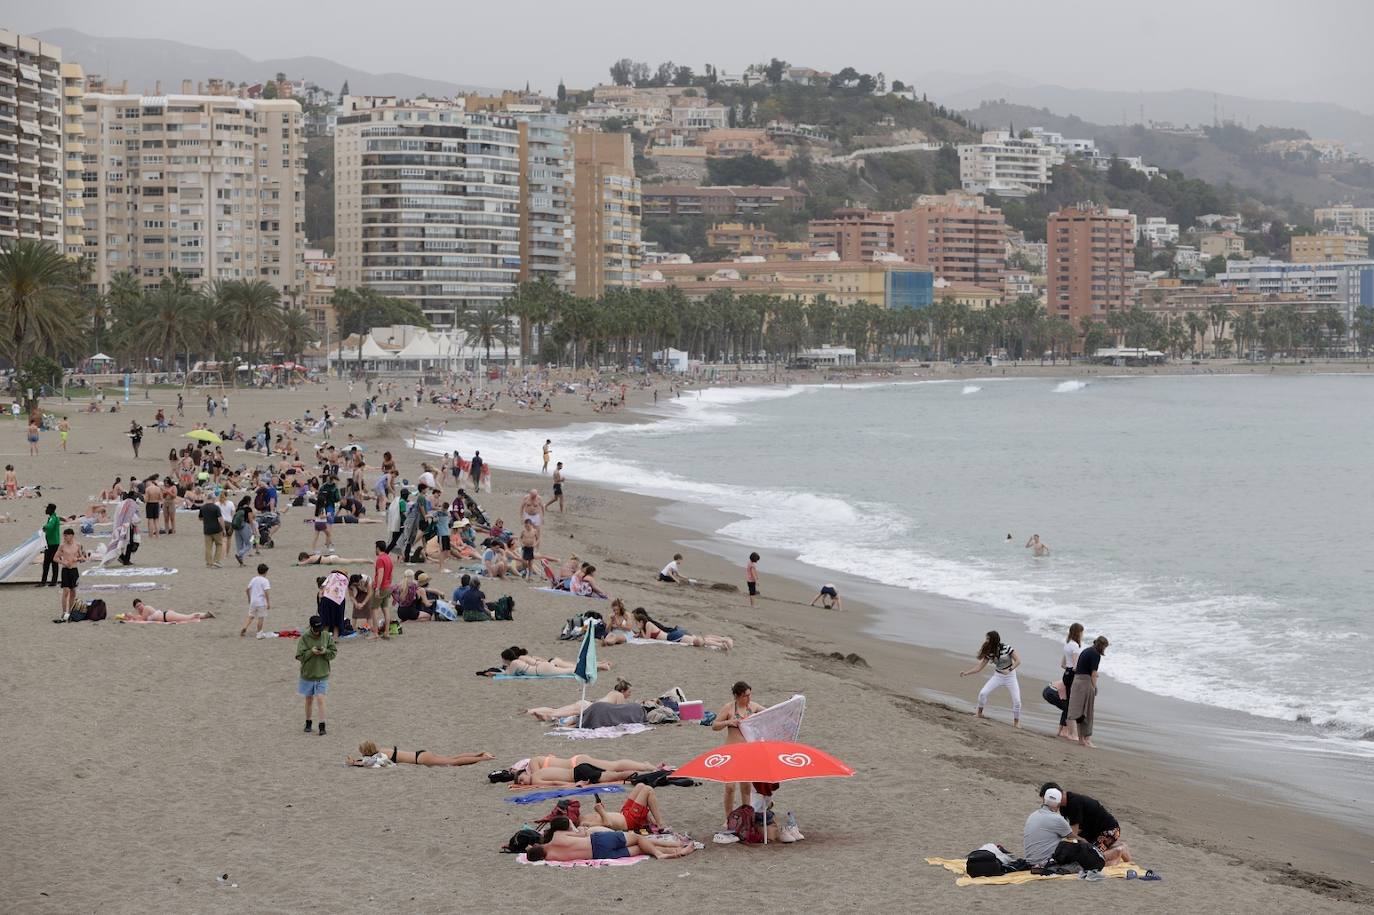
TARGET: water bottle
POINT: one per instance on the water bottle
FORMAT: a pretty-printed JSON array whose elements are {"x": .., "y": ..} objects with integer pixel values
[{"x": 791, "y": 820}]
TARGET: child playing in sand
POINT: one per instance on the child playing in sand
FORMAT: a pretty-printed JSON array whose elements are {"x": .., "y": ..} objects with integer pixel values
[
  {"x": 315, "y": 649},
  {"x": 259, "y": 593}
]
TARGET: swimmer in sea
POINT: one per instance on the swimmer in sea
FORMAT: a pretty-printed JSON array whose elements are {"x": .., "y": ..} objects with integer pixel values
[{"x": 1036, "y": 546}]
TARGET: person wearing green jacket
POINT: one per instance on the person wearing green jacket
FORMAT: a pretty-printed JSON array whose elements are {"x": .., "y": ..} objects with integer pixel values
[
  {"x": 52, "y": 539},
  {"x": 315, "y": 649}
]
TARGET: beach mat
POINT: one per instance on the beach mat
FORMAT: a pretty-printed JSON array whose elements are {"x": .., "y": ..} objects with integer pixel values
[
  {"x": 534, "y": 677},
  {"x": 552, "y": 794},
  {"x": 600, "y": 862},
  {"x": 130, "y": 571},
  {"x": 957, "y": 865},
  {"x": 606, "y": 733},
  {"x": 564, "y": 593}
]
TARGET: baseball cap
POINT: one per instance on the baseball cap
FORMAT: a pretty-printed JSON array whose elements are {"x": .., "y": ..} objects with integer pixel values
[
  {"x": 1053, "y": 796},
  {"x": 317, "y": 623}
]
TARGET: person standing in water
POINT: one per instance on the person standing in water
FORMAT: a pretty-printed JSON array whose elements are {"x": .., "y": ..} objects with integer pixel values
[
  {"x": 548, "y": 452},
  {"x": 1004, "y": 660},
  {"x": 1036, "y": 546}
]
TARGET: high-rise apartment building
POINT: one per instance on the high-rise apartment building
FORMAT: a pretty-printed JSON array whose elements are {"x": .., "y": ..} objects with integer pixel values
[
  {"x": 546, "y": 191},
  {"x": 1344, "y": 217},
  {"x": 607, "y": 248},
  {"x": 207, "y": 187},
  {"x": 32, "y": 140},
  {"x": 73, "y": 151},
  {"x": 854, "y": 233},
  {"x": 1317, "y": 249},
  {"x": 427, "y": 203},
  {"x": 957, "y": 236},
  {"x": 1006, "y": 165},
  {"x": 1091, "y": 262}
]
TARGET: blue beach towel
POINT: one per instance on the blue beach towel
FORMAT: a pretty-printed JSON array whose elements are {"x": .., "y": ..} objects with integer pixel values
[
  {"x": 535, "y": 677},
  {"x": 535, "y": 797}
]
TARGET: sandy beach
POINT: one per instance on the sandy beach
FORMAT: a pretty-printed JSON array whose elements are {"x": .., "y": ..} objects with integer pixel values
[{"x": 155, "y": 758}]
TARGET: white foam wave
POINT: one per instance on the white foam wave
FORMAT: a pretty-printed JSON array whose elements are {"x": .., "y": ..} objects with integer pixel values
[
  {"x": 971, "y": 389},
  {"x": 1066, "y": 387}
]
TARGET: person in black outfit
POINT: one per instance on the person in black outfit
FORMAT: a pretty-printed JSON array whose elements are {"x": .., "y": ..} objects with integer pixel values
[
  {"x": 135, "y": 436},
  {"x": 1093, "y": 823},
  {"x": 475, "y": 468}
]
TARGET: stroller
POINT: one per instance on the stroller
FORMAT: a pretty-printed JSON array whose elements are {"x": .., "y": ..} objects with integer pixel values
[{"x": 267, "y": 523}]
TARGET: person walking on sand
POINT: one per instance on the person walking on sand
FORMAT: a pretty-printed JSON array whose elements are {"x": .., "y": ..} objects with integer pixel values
[
  {"x": 751, "y": 577},
  {"x": 740, "y": 707},
  {"x": 1004, "y": 660},
  {"x": 1083, "y": 698},
  {"x": 315, "y": 649},
  {"x": 181, "y": 406},
  {"x": 33, "y": 438},
  {"x": 64, "y": 429},
  {"x": 475, "y": 469},
  {"x": 135, "y": 436},
  {"x": 52, "y": 539},
  {"x": 548, "y": 451},
  {"x": 557, "y": 488},
  {"x": 212, "y": 526},
  {"x": 259, "y": 593},
  {"x": 1037, "y": 547}
]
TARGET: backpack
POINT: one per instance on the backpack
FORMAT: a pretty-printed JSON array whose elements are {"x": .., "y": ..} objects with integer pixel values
[
  {"x": 743, "y": 822},
  {"x": 239, "y": 520},
  {"x": 983, "y": 863},
  {"x": 503, "y": 608},
  {"x": 95, "y": 610},
  {"x": 77, "y": 613}
]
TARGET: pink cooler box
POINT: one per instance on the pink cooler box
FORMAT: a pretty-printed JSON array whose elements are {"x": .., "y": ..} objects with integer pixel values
[{"x": 690, "y": 711}]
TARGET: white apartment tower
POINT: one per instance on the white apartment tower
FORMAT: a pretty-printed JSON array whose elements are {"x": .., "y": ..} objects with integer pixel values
[
  {"x": 33, "y": 139},
  {"x": 546, "y": 223},
  {"x": 205, "y": 186},
  {"x": 1006, "y": 165},
  {"x": 427, "y": 203}
]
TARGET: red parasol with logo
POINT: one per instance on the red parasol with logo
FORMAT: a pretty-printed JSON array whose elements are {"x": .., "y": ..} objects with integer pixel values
[{"x": 764, "y": 761}]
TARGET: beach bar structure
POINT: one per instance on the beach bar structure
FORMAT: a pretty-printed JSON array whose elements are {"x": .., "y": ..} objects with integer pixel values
[
  {"x": 828, "y": 357},
  {"x": 406, "y": 349}
]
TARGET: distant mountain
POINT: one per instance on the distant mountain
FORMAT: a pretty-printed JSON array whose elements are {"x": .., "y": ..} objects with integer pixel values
[
  {"x": 146, "y": 61},
  {"x": 1322, "y": 120},
  {"x": 1226, "y": 156}
]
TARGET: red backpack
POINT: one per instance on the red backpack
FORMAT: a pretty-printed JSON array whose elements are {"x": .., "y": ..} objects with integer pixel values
[{"x": 744, "y": 823}]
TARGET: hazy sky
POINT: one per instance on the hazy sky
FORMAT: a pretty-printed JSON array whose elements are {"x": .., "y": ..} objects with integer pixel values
[{"x": 1316, "y": 50}]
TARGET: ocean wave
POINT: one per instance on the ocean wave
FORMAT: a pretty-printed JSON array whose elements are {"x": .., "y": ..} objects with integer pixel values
[
  {"x": 970, "y": 389},
  {"x": 1067, "y": 387}
]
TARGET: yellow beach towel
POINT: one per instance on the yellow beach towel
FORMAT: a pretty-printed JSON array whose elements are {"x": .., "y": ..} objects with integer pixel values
[{"x": 956, "y": 866}]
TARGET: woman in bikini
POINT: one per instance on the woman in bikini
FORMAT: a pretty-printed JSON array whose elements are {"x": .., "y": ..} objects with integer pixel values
[
  {"x": 520, "y": 662},
  {"x": 647, "y": 628},
  {"x": 146, "y": 613},
  {"x": 620, "y": 627},
  {"x": 617, "y": 696},
  {"x": 416, "y": 758},
  {"x": 554, "y": 771},
  {"x": 741, "y": 706}
]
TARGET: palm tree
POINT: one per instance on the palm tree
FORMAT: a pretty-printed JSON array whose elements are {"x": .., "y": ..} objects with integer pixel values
[
  {"x": 39, "y": 299},
  {"x": 253, "y": 310},
  {"x": 1197, "y": 327},
  {"x": 171, "y": 320},
  {"x": 294, "y": 333},
  {"x": 487, "y": 328},
  {"x": 1218, "y": 314}
]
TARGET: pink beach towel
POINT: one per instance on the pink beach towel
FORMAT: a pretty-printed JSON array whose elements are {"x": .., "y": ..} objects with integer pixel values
[{"x": 613, "y": 862}]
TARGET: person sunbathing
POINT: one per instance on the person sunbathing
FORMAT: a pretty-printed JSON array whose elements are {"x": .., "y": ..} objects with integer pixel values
[
  {"x": 647, "y": 628},
  {"x": 147, "y": 613},
  {"x": 566, "y": 845},
  {"x": 617, "y": 696},
  {"x": 521, "y": 663},
  {"x": 327, "y": 559},
  {"x": 639, "y": 811},
  {"x": 416, "y": 758},
  {"x": 554, "y": 771},
  {"x": 621, "y": 626}
]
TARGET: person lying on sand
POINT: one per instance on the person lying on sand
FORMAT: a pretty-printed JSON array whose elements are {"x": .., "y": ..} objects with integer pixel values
[
  {"x": 554, "y": 771},
  {"x": 647, "y": 628},
  {"x": 417, "y": 758},
  {"x": 327, "y": 559},
  {"x": 147, "y": 613},
  {"x": 639, "y": 811},
  {"x": 601, "y": 845},
  {"x": 617, "y": 696},
  {"x": 520, "y": 662}
]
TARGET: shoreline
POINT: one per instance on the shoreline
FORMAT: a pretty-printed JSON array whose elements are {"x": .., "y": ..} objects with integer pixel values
[{"x": 187, "y": 739}]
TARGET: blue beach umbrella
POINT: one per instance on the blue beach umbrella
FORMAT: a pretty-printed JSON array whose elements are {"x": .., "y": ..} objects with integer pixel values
[{"x": 586, "y": 662}]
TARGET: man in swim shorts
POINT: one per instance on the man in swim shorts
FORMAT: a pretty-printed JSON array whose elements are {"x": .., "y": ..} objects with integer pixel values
[{"x": 604, "y": 845}]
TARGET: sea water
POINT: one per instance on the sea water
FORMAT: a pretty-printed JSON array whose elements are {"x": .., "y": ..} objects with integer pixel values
[{"x": 1216, "y": 528}]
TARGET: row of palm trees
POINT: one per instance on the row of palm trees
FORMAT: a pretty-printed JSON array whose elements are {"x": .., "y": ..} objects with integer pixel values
[{"x": 47, "y": 309}]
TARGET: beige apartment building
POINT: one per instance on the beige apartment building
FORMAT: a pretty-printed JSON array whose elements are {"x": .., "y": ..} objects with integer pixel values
[
  {"x": 33, "y": 140},
  {"x": 607, "y": 248},
  {"x": 318, "y": 297},
  {"x": 206, "y": 187},
  {"x": 427, "y": 203},
  {"x": 1091, "y": 262},
  {"x": 73, "y": 151},
  {"x": 1321, "y": 249},
  {"x": 546, "y": 190}
]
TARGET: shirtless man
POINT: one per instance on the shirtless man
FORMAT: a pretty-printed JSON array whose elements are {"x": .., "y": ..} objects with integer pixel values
[
  {"x": 1036, "y": 547},
  {"x": 529, "y": 546},
  {"x": 69, "y": 554},
  {"x": 604, "y": 845},
  {"x": 557, "y": 488},
  {"x": 152, "y": 505}
]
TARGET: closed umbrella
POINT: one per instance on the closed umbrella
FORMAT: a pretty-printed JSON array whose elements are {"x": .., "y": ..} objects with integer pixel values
[{"x": 585, "y": 670}]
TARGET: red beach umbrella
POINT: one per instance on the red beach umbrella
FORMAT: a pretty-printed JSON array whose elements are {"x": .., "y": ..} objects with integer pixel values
[{"x": 764, "y": 761}]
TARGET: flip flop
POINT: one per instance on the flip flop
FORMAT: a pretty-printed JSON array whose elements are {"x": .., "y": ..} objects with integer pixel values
[{"x": 1150, "y": 875}]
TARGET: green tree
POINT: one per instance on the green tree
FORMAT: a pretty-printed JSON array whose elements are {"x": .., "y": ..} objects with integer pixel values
[
  {"x": 40, "y": 300},
  {"x": 294, "y": 333},
  {"x": 251, "y": 310},
  {"x": 747, "y": 169}
]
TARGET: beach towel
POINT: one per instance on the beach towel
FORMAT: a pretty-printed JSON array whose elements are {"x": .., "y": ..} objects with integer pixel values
[
  {"x": 587, "y": 862},
  {"x": 956, "y": 866},
  {"x": 13, "y": 562},
  {"x": 602, "y": 733},
  {"x": 130, "y": 586},
  {"x": 127, "y": 572},
  {"x": 550, "y": 794},
  {"x": 534, "y": 677},
  {"x": 611, "y": 714},
  {"x": 636, "y": 640},
  {"x": 777, "y": 722},
  {"x": 568, "y": 593}
]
